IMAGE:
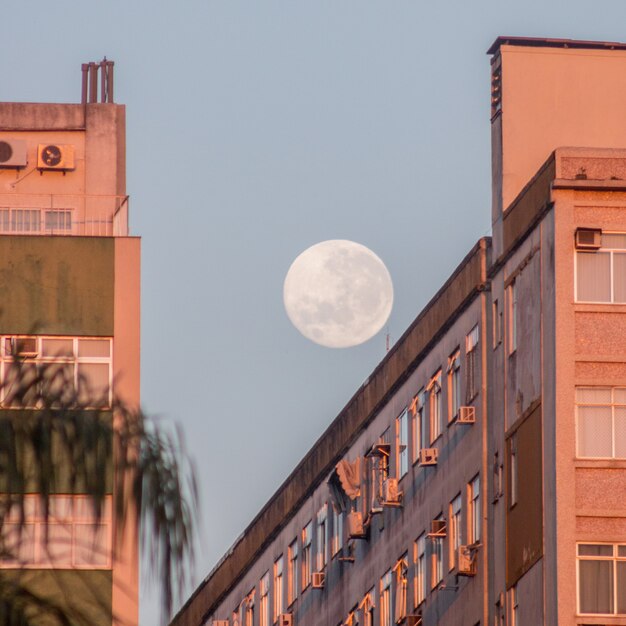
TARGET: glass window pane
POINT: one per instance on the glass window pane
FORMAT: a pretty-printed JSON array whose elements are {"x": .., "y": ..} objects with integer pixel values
[
  {"x": 619, "y": 395},
  {"x": 596, "y": 586},
  {"x": 619, "y": 277},
  {"x": 93, "y": 347},
  {"x": 614, "y": 240},
  {"x": 93, "y": 380},
  {"x": 621, "y": 550},
  {"x": 593, "y": 395},
  {"x": 595, "y": 430},
  {"x": 621, "y": 586},
  {"x": 592, "y": 549},
  {"x": 19, "y": 546},
  {"x": 57, "y": 347},
  {"x": 58, "y": 549},
  {"x": 91, "y": 545},
  {"x": 620, "y": 432},
  {"x": 593, "y": 277}
]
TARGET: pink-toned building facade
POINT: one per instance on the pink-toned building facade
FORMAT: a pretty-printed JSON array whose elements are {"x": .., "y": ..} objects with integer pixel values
[
  {"x": 478, "y": 477},
  {"x": 69, "y": 293}
]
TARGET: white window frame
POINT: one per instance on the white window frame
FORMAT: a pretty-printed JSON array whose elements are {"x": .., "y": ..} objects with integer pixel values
[
  {"x": 402, "y": 443},
  {"x": 435, "y": 406},
  {"x": 454, "y": 385},
  {"x": 613, "y": 405},
  {"x": 472, "y": 340},
  {"x": 614, "y": 559},
  {"x": 306, "y": 561},
  {"x": 602, "y": 250},
  {"x": 512, "y": 306},
  {"x": 264, "y": 601},
  {"x": 417, "y": 411},
  {"x": 386, "y": 608},
  {"x": 474, "y": 510},
  {"x": 455, "y": 517},
  {"x": 419, "y": 557},
  {"x": 70, "y": 512},
  {"x": 436, "y": 561},
  {"x": 321, "y": 545},
  {"x": 337, "y": 536},
  {"x": 278, "y": 588}
]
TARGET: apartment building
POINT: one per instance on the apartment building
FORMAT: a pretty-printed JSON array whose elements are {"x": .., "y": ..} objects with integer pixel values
[
  {"x": 69, "y": 295},
  {"x": 478, "y": 476}
]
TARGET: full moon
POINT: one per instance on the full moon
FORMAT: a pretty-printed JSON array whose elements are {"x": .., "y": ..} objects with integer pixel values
[{"x": 338, "y": 293}]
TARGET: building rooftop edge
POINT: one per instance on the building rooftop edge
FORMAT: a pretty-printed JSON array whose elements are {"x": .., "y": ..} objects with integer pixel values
[
  {"x": 476, "y": 254},
  {"x": 540, "y": 42}
]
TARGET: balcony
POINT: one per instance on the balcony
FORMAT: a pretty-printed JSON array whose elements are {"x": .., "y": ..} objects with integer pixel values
[{"x": 63, "y": 214}]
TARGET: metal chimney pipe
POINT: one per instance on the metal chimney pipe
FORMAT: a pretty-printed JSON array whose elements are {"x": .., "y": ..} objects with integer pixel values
[
  {"x": 103, "y": 80},
  {"x": 110, "y": 81},
  {"x": 83, "y": 94}
]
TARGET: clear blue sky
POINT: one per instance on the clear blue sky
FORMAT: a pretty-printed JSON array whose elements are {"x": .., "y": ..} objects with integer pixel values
[{"x": 256, "y": 129}]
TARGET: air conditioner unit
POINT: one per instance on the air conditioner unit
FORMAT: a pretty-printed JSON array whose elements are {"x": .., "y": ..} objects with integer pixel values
[
  {"x": 428, "y": 456},
  {"x": 391, "y": 495},
  {"x": 414, "y": 620},
  {"x": 24, "y": 347},
  {"x": 467, "y": 415},
  {"x": 356, "y": 530},
  {"x": 588, "y": 238},
  {"x": 467, "y": 561},
  {"x": 52, "y": 156},
  {"x": 438, "y": 528},
  {"x": 286, "y": 619},
  {"x": 13, "y": 153},
  {"x": 317, "y": 580}
]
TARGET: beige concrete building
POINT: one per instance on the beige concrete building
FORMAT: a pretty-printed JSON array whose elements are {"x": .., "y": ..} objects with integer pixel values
[
  {"x": 69, "y": 296},
  {"x": 478, "y": 477}
]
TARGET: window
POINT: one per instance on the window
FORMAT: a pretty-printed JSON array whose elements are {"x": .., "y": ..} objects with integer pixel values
[
  {"x": 471, "y": 364},
  {"x": 601, "y": 422},
  {"x": 512, "y": 315},
  {"x": 278, "y": 587},
  {"x": 402, "y": 441},
  {"x": 434, "y": 391},
  {"x": 322, "y": 538},
  {"x": 498, "y": 486},
  {"x": 75, "y": 537},
  {"x": 418, "y": 413},
  {"x": 420, "y": 569},
  {"x": 454, "y": 385},
  {"x": 437, "y": 558},
  {"x": 292, "y": 572},
  {"x": 337, "y": 540},
  {"x": 496, "y": 314},
  {"x": 65, "y": 364},
  {"x": 249, "y": 609},
  {"x": 385, "y": 600},
  {"x": 601, "y": 275},
  {"x": 514, "y": 603},
  {"x": 30, "y": 220},
  {"x": 264, "y": 604},
  {"x": 455, "y": 530},
  {"x": 401, "y": 572},
  {"x": 307, "y": 533},
  {"x": 602, "y": 579},
  {"x": 367, "y": 606},
  {"x": 474, "y": 511},
  {"x": 513, "y": 486}
]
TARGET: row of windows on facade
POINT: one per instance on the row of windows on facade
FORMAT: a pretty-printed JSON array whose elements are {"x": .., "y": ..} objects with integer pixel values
[
  {"x": 426, "y": 411},
  {"x": 14, "y": 220},
  {"x": 70, "y": 536},
  {"x": 308, "y": 557},
  {"x": 50, "y": 366}
]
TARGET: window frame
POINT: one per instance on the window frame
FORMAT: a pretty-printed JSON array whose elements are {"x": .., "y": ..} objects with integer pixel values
[
  {"x": 436, "y": 560},
  {"x": 512, "y": 326},
  {"x": 278, "y": 588},
  {"x": 474, "y": 513},
  {"x": 306, "y": 562},
  {"x": 417, "y": 409},
  {"x": 435, "y": 406},
  {"x": 455, "y": 517},
  {"x": 421, "y": 570},
  {"x": 454, "y": 385},
  {"x": 402, "y": 444},
  {"x": 321, "y": 536},
  {"x": 292, "y": 572}
]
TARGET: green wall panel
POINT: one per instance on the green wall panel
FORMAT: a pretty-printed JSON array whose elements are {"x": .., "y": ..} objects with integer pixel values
[{"x": 56, "y": 285}]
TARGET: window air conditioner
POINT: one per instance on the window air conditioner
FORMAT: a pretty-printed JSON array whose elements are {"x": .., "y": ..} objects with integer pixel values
[
  {"x": 467, "y": 561},
  {"x": 317, "y": 581},
  {"x": 588, "y": 238},
  {"x": 13, "y": 153},
  {"x": 356, "y": 530},
  {"x": 55, "y": 157},
  {"x": 467, "y": 415},
  {"x": 286, "y": 619},
  {"x": 428, "y": 456},
  {"x": 438, "y": 528},
  {"x": 24, "y": 347},
  {"x": 391, "y": 495}
]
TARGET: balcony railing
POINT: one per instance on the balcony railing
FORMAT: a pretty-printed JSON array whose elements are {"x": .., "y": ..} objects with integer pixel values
[{"x": 63, "y": 214}]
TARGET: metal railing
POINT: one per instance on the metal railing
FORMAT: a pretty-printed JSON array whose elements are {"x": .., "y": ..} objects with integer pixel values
[{"x": 64, "y": 214}]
